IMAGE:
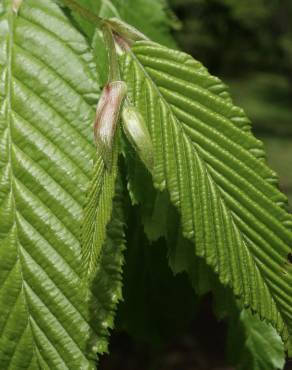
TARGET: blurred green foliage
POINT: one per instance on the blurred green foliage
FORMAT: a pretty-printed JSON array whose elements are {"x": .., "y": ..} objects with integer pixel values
[
  {"x": 237, "y": 36},
  {"x": 249, "y": 45}
]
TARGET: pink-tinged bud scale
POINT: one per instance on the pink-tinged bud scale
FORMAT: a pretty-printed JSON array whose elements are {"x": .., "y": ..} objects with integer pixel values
[{"x": 107, "y": 117}]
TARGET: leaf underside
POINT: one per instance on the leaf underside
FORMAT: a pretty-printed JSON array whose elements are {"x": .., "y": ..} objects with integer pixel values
[
  {"x": 216, "y": 175},
  {"x": 48, "y": 94},
  {"x": 251, "y": 343}
]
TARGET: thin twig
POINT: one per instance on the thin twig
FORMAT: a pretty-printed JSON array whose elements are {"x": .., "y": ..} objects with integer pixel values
[{"x": 84, "y": 12}]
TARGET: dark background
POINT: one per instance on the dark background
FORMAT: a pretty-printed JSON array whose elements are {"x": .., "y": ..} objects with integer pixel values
[{"x": 249, "y": 45}]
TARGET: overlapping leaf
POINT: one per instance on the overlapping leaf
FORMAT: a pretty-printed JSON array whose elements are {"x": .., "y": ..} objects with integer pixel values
[
  {"x": 251, "y": 342},
  {"x": 255, "y": 344},
  {"x": 157, "y": 305},
  {"x": 107, "y": 283},
  {"x": 215, "y": 172},
  {"x": 97, "y": 213},
  {"x": 48, "y": 94}
]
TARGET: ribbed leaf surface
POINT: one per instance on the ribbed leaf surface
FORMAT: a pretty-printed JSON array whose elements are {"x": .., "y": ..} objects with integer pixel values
[
  {"x": 215, "y": 172},
  {"x": 48, "y": 94},
  {"x": 97, "y": 213},
  {"x": 107, "y": 284}
]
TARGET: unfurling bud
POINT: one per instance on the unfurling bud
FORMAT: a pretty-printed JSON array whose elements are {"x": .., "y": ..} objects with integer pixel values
[
  {"x": 107, "y": 116},
  {"x": 127, "y": 32},
  {"x": 137, "y": 132}
]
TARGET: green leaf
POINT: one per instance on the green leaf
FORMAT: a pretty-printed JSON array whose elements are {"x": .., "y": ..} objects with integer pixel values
[
  {"x": 243, "y": 328},
  {"x": 216, "y": 175},
  {"x": 254, "y": 344},
  {"x": 97, "y": 213},
  {"x": 101, "y": 55},
  {"x": 107, "y": 285},
  {"x": 157, "y": 306},
  {"x": 48, "y": 94},
  {"x": 153, "y": 205},
  {"x": 251, "y": 343}
]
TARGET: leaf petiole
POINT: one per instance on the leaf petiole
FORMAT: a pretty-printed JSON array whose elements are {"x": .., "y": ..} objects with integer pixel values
[
  {"x": 84, "y": 12},
  {"x": 113, "y": 67}
]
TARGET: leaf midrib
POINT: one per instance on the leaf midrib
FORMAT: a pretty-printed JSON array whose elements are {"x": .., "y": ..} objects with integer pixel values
[
  {"x": 8, "y": 92},
  {"x": 12, "y": 178}
]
